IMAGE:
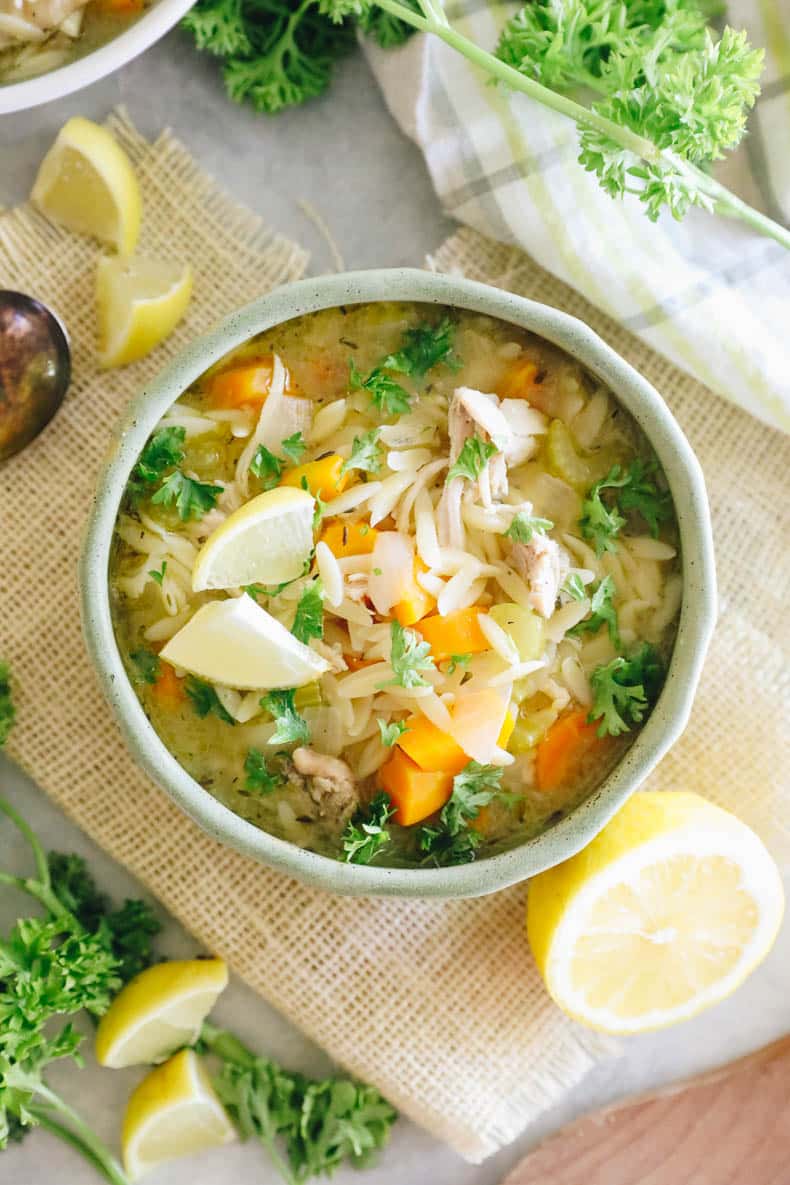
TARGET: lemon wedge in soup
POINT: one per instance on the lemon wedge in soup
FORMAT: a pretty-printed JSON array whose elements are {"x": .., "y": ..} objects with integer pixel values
[
  {"x": 238, "y": 644},
  {"x": 265, "y": 541}
]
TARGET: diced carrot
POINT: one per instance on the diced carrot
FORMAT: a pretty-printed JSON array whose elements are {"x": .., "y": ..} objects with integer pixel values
[
  {"x": 246, "y": 385},
  {"x": 357, "y": 664},
  {"x": 168, "y": 689},
  {"x": 417, "y": 603},
  {"x": 518, "y": 382},
  {"x": 344, "y": 539},
  {"x": 119, "y": 6},
  {"x": 507, "y": 730},
  {"x": 415, "y": 794},
  {"x": 430, "y": 748},
  {"x": 457, "y": 633},
  {"x": 325, "y": 478},
  {"x": 562, "y": 750}
]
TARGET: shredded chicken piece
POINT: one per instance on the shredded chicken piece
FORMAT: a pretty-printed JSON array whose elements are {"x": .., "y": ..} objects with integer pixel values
[
  {"x": 39, "y": 14},
  {"x": 329, "y": 782},
  {"x": 542, "y": 563},
  {"x": 472, "y": 412}
]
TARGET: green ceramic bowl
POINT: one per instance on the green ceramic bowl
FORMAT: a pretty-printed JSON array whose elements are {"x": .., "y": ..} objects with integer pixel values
[{"x": 668, "y": 718}]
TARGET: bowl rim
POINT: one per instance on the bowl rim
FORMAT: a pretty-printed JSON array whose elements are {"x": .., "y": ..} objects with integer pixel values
[
  {"x": 697, "y": 615},
  {"x": 56, "y": 84}
]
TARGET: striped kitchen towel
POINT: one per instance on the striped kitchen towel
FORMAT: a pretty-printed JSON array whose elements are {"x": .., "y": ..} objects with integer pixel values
[{"x": 709, "y": 293}]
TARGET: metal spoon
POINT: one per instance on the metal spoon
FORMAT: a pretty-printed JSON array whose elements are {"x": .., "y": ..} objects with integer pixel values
[{"x": 35, "y": 369}]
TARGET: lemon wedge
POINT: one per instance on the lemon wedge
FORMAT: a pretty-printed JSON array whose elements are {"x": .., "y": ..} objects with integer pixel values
[
  {"x": 666, "y": 912},
  {"x": 158, "y": 1011},
  {"x": 238, "y": 644},
  {"x": 267, "y": 540},
  {"x": 87, "y": 184},
  {"x": 139, "y": 302},
  {"x": 173, "y": 1112}
]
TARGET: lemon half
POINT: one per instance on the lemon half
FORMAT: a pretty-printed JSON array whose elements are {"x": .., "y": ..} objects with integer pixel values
[
  {"x": 87, "y": 184},
  {"x": 665, "y": 913},
  {"x": 158, "y": 1011},
  {"x": 139, "y": 302},
  {"x": 267, "y": 540},
  {"x": 238, "y": 644},
  {"x": 173, "y": 1112}
]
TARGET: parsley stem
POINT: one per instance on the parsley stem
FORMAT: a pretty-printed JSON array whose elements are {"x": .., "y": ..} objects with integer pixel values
[
  {"x": 78, "y": 1134},
  {"x": 724, "y": 201},
  {"x": 39, "y": 855}
]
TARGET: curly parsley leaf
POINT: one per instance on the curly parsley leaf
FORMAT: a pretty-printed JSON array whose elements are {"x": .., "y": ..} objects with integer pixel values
[
  {"x": 291, "y": 728},
  {"x": 266, "y": 467},
  {"x": 7, "y": 709},
  {"x": 205, "y": 700},
  {"x": 162, "y": 451},
  {"x": 309, "y": 619},
  {"x": 309, "y": 1127},
  {"x": 602, "y": 612},
  {"x": 472, "y": 459},
  {"x": 390, "y": 733},
  {"x": 385, "y": 392},
  {"x": 409, "y": 655},
  {"x": 603, "y": 519},
  {"x": 524, "y": 526},
  {"x": 148, "y": 665},
  {"x": 366, "y": 453},
  {"x": 190, "y": 497},
  {"x": 387, "y": 30},
  {"x": 424, "y": 347},
  {"x": 458, "y": 662},
  {"x": 258, "y": 777},
  {"x": 602, "y": 523},
  {"x": 624, "y": 690},
  {"x": 367, "y": 833},
  {"x": 450, "y": 841},
  {"x": 574, "y": 587},
  {"x": 294, "y": 447},
  {"x": 641, "y": 495}
]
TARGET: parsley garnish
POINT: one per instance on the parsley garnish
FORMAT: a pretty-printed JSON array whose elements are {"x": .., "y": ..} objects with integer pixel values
[
  {"x": 259, "y": 779},
  {"x": 366, "y": 453},
  {"x": 158, "y": 574},
  {"x": 291, "y": 727},
  {"x": 309, "y": 620},
  {"x": 266, "y": 467},
  {"x": 7, "y": 709},
  {"x": 367, "y": 833},
  {"x": 602, "y": 520},
  {"x": 205, "y": 699},
  {"x": 294, "y": 447},
  {"x": 450, "y": 841},
  {"x": 424, "y": 347},
  {"x": 391, "y": 732},
  {"x": 472, "y": 459},
  {"x": 162, "y": 451},
  {"x": 386, "y": 393},
  {"x": 458, "y": 662},
  {"x": 191, "y": 498},
  {"x": 602, "y": 612},
  {"x": 524, "y": 526},
  {"x": 574, "y": 587},
  {"x": 320, "y": 505},
  {"x": 624, "y": 690},
  {"x": 409, "y": 655},
  {"x": 148, "y": 665}
]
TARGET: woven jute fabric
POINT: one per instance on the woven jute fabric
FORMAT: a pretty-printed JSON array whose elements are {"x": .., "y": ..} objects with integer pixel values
[{"x": 436, "y": 1003}]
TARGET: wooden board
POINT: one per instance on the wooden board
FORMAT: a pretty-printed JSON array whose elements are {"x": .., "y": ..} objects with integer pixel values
[{"x": 728, "y": 1127}]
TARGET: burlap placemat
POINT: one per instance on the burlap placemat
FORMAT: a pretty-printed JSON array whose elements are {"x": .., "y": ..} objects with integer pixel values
[{"x": 436, "y": 1003}]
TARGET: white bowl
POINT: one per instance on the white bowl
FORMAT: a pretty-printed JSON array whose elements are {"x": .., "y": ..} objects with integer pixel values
[{"x": 163, "y": 14}]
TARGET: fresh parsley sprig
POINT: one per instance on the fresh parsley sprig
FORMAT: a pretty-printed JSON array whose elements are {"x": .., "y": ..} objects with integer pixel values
[
  {"x": 408, "y": 656},
  {"x": 524, "y": 526},
  {"x": 309, "y": 619},
  {"x": 451, "y": 841},
  {"x": 190, "y": 497},
  {"x": 163, "y": 450},
  {"x": 472, "y": 459},
  {"x": 385, "y": 392},
  {"x": 392, "y": 732},
  {"x": 603, "y": 518},
  {"x": 367, "y": 454},
  {"x": 602, "y": 612},
  {"x": 204, "y": 699},
  {"x": 258, "y": 777},
  {"x": 147, "y": 665},
  {"x": 366, "y": 834},
  {"x": 624, "y": 690},
  {"x": 268, "y": 467},
  {"x": 425, "y": 346},
  {"x": 291, "y": 728}
]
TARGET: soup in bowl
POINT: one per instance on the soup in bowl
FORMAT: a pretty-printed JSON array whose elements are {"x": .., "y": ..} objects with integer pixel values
[{"x": 397, "y": 585}]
